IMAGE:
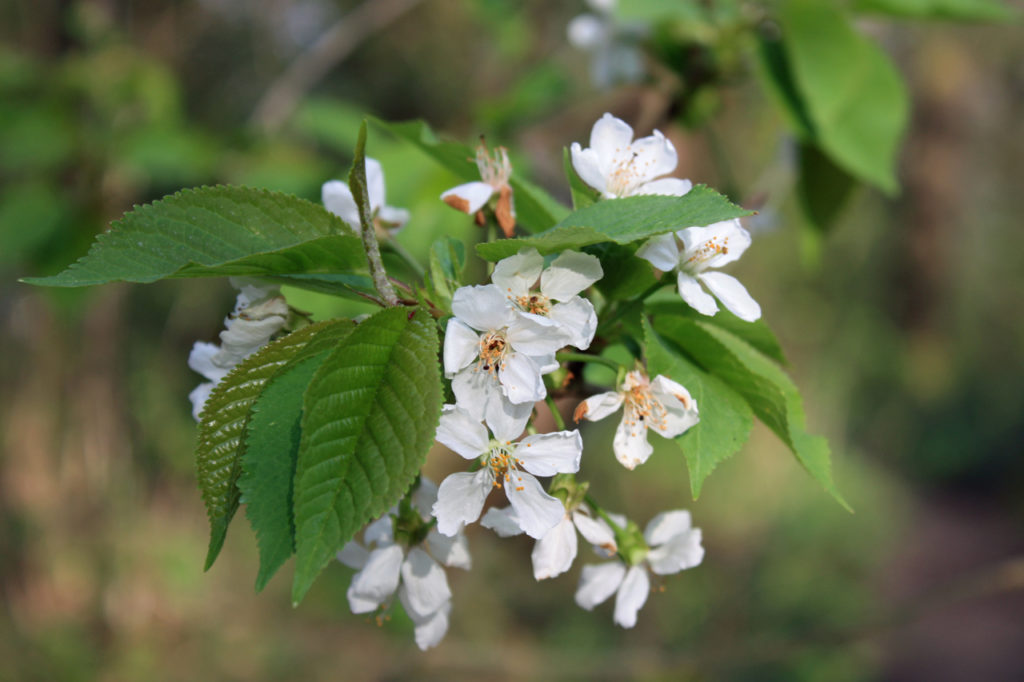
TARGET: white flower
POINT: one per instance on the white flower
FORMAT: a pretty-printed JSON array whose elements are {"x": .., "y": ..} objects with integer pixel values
[
  {"x": 506, "y": 465},
  {"x": 414, "y": 572},
  {"x": 618, "y": 166},
  {"x": 614, "y": 57},
  {"x": 674, "y": 546},
  {"x": 662, "y": 405},
  {"x": 554, "y": 553},
  {"x": 703, "y": 248},
  {"x": 557, "y": 300},
  {"x": 472, "y": 196},
  {"x": 260, "y": 312},
  {"x": 338, "y": 199}
]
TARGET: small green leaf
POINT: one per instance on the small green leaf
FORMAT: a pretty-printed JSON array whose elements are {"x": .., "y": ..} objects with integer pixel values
[
  {"x": 622, "y": 221},
  {"x": 854, "y": 96},
  {"x": 956, "y": 10},
  {"x": 216, "y": 231},
  {"x": 725, "y": 418},
  {"x": 218, "y": 450},
  {"x": 583, "y": 195},
  {"x": 625, "y": 275},
  {"x": 822, "y": 187},
  {"x": 766, "y": 388},
  {"x": 370, "y": 414},
  {"x": 757, "y": 333}
]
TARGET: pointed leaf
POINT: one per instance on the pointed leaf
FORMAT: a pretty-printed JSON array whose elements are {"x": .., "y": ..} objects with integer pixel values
[
  {"x": 369, "y": 418},
  {"x": 217, "y": 231},
  {"x": 725, "y": 418},
  {"x": 622, "y": 221},
  {"x": 757, "y": 333}
]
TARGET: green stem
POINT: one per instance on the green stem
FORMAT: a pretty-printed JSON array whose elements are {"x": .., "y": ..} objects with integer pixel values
[
  {"x": 555, "y": 414},
  {"x": 599, "y": 510},
  {"x": 568, "y": 356}
]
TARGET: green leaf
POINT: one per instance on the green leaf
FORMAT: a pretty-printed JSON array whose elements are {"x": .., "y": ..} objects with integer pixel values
[
  {"x": 216, "y": 231},
  {"x": 622, "y": 221},
  {"x": 535, "y": 209},
  {"x": 725, "y": 418},
  {"x": 447, "y": 261},
  {"x": 822, "y": 187},
  {"x": 854, "y": 96},
  {"x": 766, "y": 388},
  {"x": 625, "y": 275},
  {"x": 777, "y": 77},
  {"x": 757, "y": 333},
  {"x": 369, "y": 418},
  {"x": 583, "y": 195},
  {"x": 957, "y": 10},
  {"x": 218, "y": 451}
]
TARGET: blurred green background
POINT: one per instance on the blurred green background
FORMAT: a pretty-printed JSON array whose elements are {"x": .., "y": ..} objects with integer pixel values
[{"x": 903, "y": 327}]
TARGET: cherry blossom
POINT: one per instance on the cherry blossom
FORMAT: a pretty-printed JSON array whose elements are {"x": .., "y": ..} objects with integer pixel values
[
  {"x": 661, "y": 405},
  {"x": 704, "y": 248},
  {"x": 472, "y": 196}
]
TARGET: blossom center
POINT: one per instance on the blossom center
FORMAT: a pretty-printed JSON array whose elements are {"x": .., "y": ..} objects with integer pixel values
[
  {"x": 704, "y": 252},
  {"x": 494, "y": 170},
  {"x": 641, "y": 407},
  {"x": 538, "y": 304},
  {"x": 626, "y": 173},
  {"x": 504, "y": 465},
  {"x": 493, "y": 346}
]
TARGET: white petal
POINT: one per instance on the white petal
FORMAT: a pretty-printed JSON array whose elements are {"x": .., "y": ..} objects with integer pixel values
[
  {"x": 461, "y": 346},
  {"x": 536, "y": 335},
  {"x": 586, "y": 31},
  {"x": 380, "y": 532},
  {"x": 595, "y": 531},
  {"x": 429, "y": 631},
  {"x": 514, "y": 276},
  {"x": 547, "y": 454},
  {"x": 680, "y": 407},
  {"x": 337, "y": 199},
  {"x": 732, "y": 294},
  {"x": 201, "y": 359},
  {"x": 630, "y": 444},
  {"x": 598, "y": 582},
  {"x": 578, "y": 319},
  {"x": 460, "y": 499},
  {"x": 502, "y": 521},
  {"x": 505, "y": 419},
  {"x": 450, "y": 551},
  {"x": 679, "y": 553},
  {"x": 244, "y": 337},
  {"x": 537, "y": 511},
  {"x": 554, "y": 553},
  {"x": 569, "y": 274},
  {"x": 631, "y": 597},
  {"x": 599, "y": 406},
  {"x": 672, "y": 187},
  {"x": 468, "y": 198},
  {"x": 546, "y": 363},
  {"x": 609, "y": 138},
  {"x": 653, "y": 156},
  {"x": 482, "y": 307},
  {"x": 425, "y": 583},
  {"x": 472, "y": 389},
  {"x": 462, "y": 433},
  {"x": 728, "y": 236},
  {"x": 199, "y": 395},
  {"x": 666, "y": 525},
  {"x": 393, "y": 217},
  {"x": 377, "y": 580},
  {"x": 697, "y": 298},
  {"x": 520, "y": 379},
  {"x": 662, "y": 251},
  {"x": 374, "y": 184},
  {"x": 588, "y": 167},
  {"x": 353, "y": 555},
  {"x": 424, "y": 497}
]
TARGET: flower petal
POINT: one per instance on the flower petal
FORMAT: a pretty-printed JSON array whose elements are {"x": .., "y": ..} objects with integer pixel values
[
  {"x": 482, "y": 307},
  {"x": 460, "y": 432},
  {"x": 536, "y": 335},
  {"x": 598, "y": 582},
  {"x": 201, "y": 359},
  {"x": 450, "y": 551},
  {"x": 337, "y": 198},
  {"x": 353, "y": 555},
  {"x": 630, "y": 444},
  {"x": 461, "y": 346},
  {"x": 714, "y": 245},
  {"x": 424, "y": 497},
  {"x": 609, "y": 138},
  {"x": 377, "y": 580},
  {"x": 587, "y": 165},
  {"x": 425, "y": 583},
  {"x": 505, "y": 419},
  {"x": 460, "y": 499},
  {"x": 732, "y": 294},
  {"x": 472, "y": 389},
  {"x": 599, "y": 406},
  {"x": 636, "y": 586},
  {"x": 569, "y": 274},
  {"x": 514, "y": 276},
  {"x": 578, "y": 320},
  {"x": 671, "y": 187},
  {"x": 653, "y": 156},
  {"x": 666, "y": 525},
  {"x": 680, "y": 408},
  {"x": 547, "y": 454},
  {"x": 554, "y": 553},
  {"x": 595, "y": 531},
  {"x": 374, "y": 184},
  {"x": 469, "y": 197},
  {"x": 682, "y": 551},
  {"x": 697, "y": 298},
  {"x": 199, "y": 395},
  {"x": 520, "y": 379},
  {"x": 392, "y": 217},
  {"x": 382, "y": 531},
  {"x": 662, "y": 252},
  {"x": 537, "y": 511},
  {"x": 586, "y": 31},
  {"x": 429, "y": 631},
  {"x": 502, "y": 521}
]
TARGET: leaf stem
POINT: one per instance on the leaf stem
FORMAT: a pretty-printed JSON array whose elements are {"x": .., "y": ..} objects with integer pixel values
[{"x": 555, "y": 414}]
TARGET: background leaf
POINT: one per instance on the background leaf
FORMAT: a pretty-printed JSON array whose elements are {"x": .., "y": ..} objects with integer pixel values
[
  {"x": 757, "y": 333},
  {"x": 369, "y": 417},
  {"x": 725, "y": 418},
  {"x": 216, "y": 231},
  {"x": 958, "y": 10},
  {"x": 823, "y": 188},
  {"x": 622, "y": 221}
]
